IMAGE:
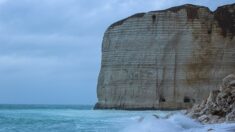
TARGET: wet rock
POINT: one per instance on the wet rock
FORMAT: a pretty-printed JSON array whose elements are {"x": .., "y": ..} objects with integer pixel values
[
  {"x": 231, "y": 116},
  {"x": 203, "y": 118},
  {"x": 156, "y": 116},
  {"x": 168, "y": 115},
  {"x": 214, "y": 119},
  {"x": 210, "y": 130},
  {"x": 232, "y": 84},
  {"x": 228, "y": 81},
  {"x": 212, "y": 96}
]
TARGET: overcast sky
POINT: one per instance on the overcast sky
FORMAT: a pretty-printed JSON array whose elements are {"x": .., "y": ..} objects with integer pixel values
[{"x": 50, "y": 50}]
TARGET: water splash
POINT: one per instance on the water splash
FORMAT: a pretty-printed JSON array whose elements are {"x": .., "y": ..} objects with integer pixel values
[
  {"x": 83, "y": 119},
  {"x": 175, "y": 123}
]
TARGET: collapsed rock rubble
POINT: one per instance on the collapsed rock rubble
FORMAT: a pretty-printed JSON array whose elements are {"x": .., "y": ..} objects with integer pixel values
[{"x": 219, "y": 106}]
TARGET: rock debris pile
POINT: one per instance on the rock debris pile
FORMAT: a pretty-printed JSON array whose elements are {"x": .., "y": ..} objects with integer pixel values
[{"x": 219, "y": 106}]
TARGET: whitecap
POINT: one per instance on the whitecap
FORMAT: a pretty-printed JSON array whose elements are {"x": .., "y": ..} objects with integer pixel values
[{"x": 178, "y": 122}]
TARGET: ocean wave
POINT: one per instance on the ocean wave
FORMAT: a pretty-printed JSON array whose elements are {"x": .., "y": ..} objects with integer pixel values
[{"x": 175, "y": 123}]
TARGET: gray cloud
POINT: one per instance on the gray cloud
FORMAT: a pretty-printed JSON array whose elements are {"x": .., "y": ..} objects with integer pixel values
[{"x": 50, "y": 49}]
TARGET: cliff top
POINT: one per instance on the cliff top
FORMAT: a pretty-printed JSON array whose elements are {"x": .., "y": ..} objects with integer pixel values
[
  {"x": 223, "y": 14},
  {"x": 185, "y": 6}
]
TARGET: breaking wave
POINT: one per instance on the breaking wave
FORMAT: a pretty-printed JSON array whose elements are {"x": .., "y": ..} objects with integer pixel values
[{"x": 175, "y": 123}]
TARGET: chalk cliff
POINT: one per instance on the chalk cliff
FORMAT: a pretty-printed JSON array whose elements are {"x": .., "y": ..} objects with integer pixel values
[{"x": 167, "y": 59}]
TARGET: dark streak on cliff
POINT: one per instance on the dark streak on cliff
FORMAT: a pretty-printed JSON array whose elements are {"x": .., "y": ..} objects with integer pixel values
[
  {"x": 192, "y": 13},
  {"x": 226, "y": 19},
  {"x": 192, "y": 10}
]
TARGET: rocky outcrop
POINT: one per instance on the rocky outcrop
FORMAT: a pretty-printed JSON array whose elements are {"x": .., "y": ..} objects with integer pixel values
[
  {"x": 219, "y": 106},
  {"x": 166, "y": 59}
]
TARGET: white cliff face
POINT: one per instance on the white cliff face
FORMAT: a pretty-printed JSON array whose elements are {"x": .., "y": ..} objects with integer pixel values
[{"x": 166, "y": 59}]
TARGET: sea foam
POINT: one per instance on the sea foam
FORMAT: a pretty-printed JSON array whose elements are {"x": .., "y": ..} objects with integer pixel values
[
  {"x": 175, "y": 123},
  {"x": 31, "y": 118}
]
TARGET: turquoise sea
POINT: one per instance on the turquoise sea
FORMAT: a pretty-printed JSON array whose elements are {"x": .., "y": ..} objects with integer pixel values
[{"x": 82, "y": 118}]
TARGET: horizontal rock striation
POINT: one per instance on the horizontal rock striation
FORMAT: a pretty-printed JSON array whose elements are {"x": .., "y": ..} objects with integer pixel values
[{"x": 166, "y": 59}]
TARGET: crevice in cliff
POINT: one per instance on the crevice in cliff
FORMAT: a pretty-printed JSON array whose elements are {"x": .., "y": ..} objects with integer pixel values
[
  {"x": 188, "y": 100},
  {"x": 175, "y": 73},
  {"x": 153, "y": 18},
  {"x": 162, "y": 99}
]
